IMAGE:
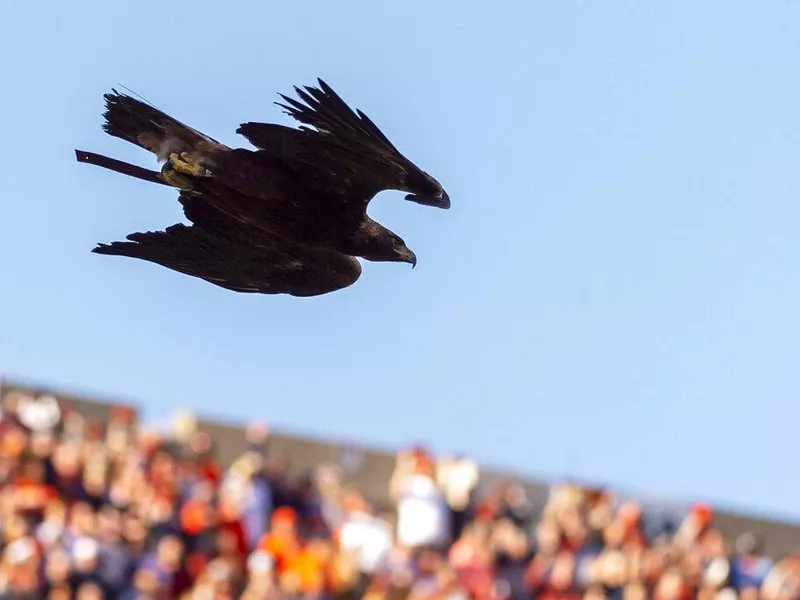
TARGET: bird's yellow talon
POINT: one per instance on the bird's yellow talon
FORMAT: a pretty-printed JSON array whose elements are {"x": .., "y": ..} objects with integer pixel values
[
  {"x": 183, "y": 163},
  {"x": 176, "y": 179}
]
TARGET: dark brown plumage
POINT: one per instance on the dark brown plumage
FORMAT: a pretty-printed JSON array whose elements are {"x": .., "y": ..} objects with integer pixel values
[
  {"x": 303, "y": 192},
  {"x": 237, "y": 257}
]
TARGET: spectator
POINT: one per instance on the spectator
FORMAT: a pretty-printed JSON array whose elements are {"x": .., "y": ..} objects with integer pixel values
[
  {"x": 423, "y": 518},
  {"x": 458, "y": 477},
  {"x": 749, "y": 570},
  {"x": 98, "y": 512}
]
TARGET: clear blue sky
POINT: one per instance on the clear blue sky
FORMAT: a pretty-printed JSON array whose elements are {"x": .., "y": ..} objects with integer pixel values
[{"x": 615, "y": 293}]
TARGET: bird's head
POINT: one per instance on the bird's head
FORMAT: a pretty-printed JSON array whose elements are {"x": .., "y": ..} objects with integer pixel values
[
  {"x": 392, "y": 248},
  {"x": 426, "y": 190},
  {"x": 376, "y": 243},
  {"x": 402, "y": 253}
]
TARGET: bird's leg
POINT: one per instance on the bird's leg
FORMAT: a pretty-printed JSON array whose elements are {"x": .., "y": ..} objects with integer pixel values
[
  {"x": 183, "y": 163},
  {"x": 175, "y": 178}
]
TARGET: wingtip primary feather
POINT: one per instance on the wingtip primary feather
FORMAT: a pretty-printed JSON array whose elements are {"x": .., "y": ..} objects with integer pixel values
[
  {"x": 329, "y": 114},
  {"x": 325, "y": 87},
  {"x": 108, "y": 249},
  {"x": 315, "y": 92},
  {"x": 287, "y": 109},
  {"x": 291, "y": 101},
  {"x": 309, "y": 98}
]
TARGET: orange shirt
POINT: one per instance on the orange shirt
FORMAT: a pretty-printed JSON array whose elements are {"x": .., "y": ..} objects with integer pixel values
[
  {"x": 33, "y": 496},
  {"x": 195, "y": 517},
  {"x": 281, "y": 547},
  {"x": 308, "y": 568}
]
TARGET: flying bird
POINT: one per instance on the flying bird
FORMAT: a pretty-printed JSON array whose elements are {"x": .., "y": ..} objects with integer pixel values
[
  {"x": 234, "y": 256},
  {"x": 326, "y": 172},
  {"x": 303, "y": 190}
]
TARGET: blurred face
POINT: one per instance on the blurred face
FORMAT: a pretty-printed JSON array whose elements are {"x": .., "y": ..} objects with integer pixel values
[
  {"x": 517, "y": 546},
  {"x": 94, "y": 476},
  {"x": 6, "y": 468},
  {"x": 56, "y": 511},
  {"x": 161, "y": 511},
  {"x": 110, "y": 524},
  {"x": 574, "y": 526},
  {"x": 751, "y": 593},
  {"x": 229, "y": 508},
  {"x": 82, "y": 518},
  {"x": 613, "y": 568},
  {"x": 42, "y": 444},
  {"x": 600, "y": 514},
  {"x": 120, "y": 489},
  {"x": 503, "y": 529},
  {"x": 14, "y": 443},
  {"x": 226, "y": 590},
  {"x": 218, "y": 572},
  {"x": 428, "y": 562},
  {"x": 34, "y": 471},
  {"x": 164, "y": 469},
  {"x": 66, "y": 460},
  {"x": 284, "y": 527},
  {"x": 116, "y": 438},
  {"x": 60, "y": 592},
  {"x": 445, "y": 577},
  {"x": 203, "y": 492},
  {"x": 256, "y": 591},
  {"x": 145, "y": 581},
  {"x": 614, "y": 534},
  {"x": 89, "y": 591},
  {"x": 714, "y": 544},
  {"x": 170, "y": 553},
  {"x": 260, "y": 567},
  {"x": 14, "y": 528},
  {"x": 635, "y": 591},
  {"x": 226, "y": 542},
  {"x": 133, "y": 530},
  {"x": 669, "y": 585},
  {"x": 57, "y": 567},
  {"x": 547, "y": 536},
  {"x": 49, "y": 533},
  {"x": 595, "y": 593},
  {"x": 327, "y": 481},
  {"x": 86, "y": 564},
  {"x": 515, "y": 495},
  {"x": 563, "y": 571}
]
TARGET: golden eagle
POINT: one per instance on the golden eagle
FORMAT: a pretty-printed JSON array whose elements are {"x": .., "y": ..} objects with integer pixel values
[{"x": 289, "y": 217}]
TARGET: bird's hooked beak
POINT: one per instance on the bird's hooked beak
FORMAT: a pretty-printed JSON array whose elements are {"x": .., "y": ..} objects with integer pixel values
[
  {"x": 442, "y": 201},
  {"x": 410, "y": 257}
]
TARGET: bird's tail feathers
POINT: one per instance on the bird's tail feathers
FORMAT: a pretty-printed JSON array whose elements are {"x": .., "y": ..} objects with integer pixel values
[{"x": 139, "y": 123}]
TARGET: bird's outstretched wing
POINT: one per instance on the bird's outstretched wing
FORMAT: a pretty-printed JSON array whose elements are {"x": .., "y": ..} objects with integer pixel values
[
  {"x": 235, "y": 257},
  {"x": 325, "y": 111},
  {"x": 357, "y": 158},
  {"x": 216, "y": 207}
]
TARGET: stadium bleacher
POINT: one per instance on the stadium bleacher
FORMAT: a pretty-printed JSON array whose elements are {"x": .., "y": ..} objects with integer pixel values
[{"x": 94, "y": 504}]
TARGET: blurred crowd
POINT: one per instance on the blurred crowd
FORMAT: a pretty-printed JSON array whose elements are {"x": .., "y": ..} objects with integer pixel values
[{"x": 92, "y": 511}]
